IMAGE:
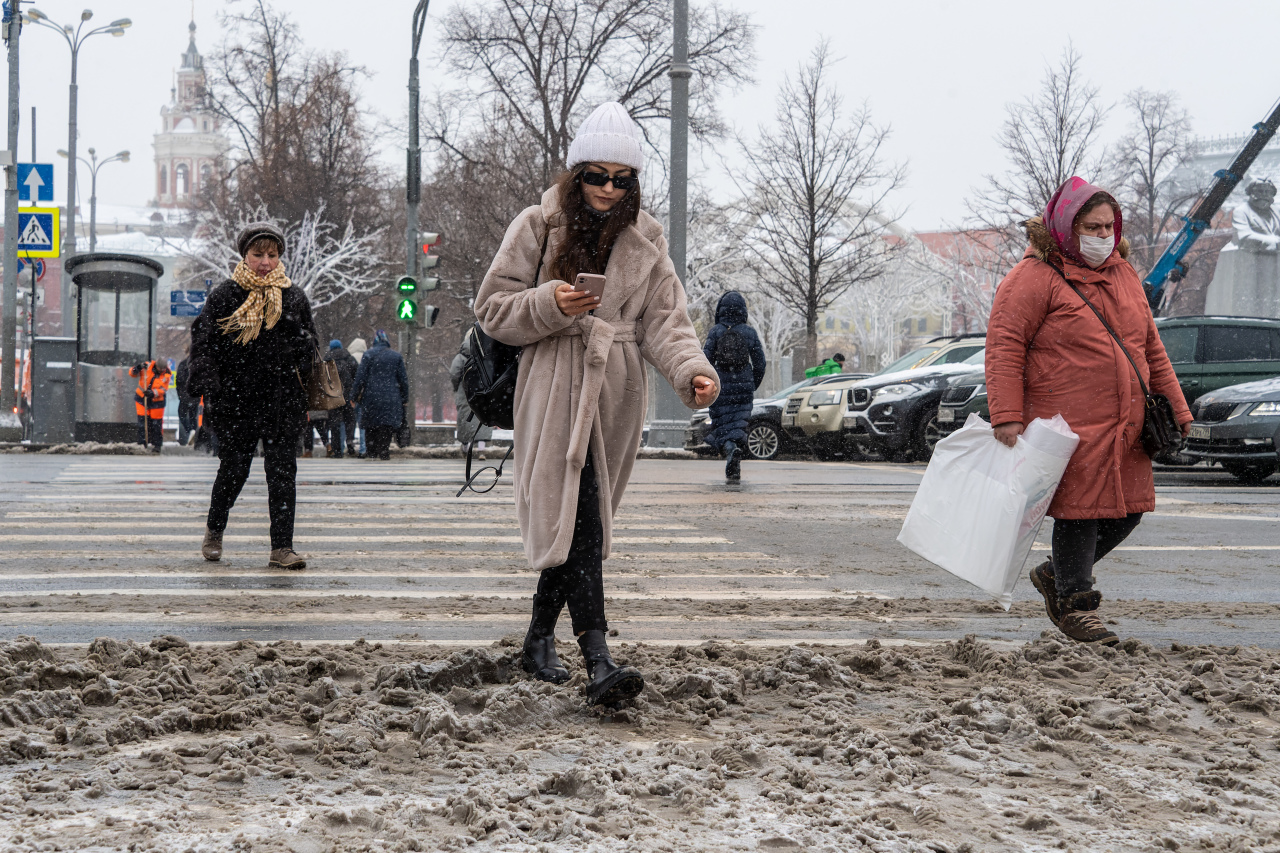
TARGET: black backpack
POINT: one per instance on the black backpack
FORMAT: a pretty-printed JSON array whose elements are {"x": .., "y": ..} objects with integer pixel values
[
  {"x": 732, "y": 352},
  {"x": 489, "y": 375},
  {"x": 489, "y": 381}
]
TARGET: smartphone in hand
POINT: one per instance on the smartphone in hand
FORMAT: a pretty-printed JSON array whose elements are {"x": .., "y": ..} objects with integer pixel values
[{"x": 593, "y": 284}]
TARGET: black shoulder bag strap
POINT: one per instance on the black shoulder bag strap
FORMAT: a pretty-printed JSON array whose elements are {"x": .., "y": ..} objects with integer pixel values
[
  {"x": 1145, "y": 392},
  {"x": 467, "y": 484},
  {"x": 1160, "y": 433}
]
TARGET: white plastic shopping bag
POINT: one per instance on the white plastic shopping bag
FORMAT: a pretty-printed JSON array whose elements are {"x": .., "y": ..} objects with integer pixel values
[{"x": 981, "y": 504}]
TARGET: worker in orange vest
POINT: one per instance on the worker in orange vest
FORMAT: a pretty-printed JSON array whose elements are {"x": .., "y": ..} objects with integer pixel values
[{"x": 148, "y": 401}]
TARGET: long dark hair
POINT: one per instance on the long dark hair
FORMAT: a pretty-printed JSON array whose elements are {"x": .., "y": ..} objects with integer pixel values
[{"x": 576, "y": 254}]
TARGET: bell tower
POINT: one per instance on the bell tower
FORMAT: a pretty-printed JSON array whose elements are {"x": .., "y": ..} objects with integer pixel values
[{"x": 190, "y": 143}]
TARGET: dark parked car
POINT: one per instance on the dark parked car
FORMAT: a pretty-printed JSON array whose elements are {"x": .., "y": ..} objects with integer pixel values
[
  {"x": 896, "y": 414},
  {"x": 765, "y": 436},
  {"x": 1239, "y": 428},
  {"x": 965, "y": 394}
]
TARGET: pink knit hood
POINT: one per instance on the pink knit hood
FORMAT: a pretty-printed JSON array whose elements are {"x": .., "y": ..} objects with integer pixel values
[{"x": 1060, "y": 215}]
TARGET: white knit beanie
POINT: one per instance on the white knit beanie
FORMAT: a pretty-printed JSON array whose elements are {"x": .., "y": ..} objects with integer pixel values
[{"x": 608, "y": 135}]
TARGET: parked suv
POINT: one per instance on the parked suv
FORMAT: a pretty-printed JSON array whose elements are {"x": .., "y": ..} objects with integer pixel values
[
  {"x": 816, "y": 416},
  {"x": 1209, "y": 353},
  {"x": 896, "y": 415},
  {"x": 809, "y": 411}
]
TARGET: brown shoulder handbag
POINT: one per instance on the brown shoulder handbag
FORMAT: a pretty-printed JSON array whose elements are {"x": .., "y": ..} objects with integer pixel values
[
  {"x": 1160, "y": 432},
  {"x": 324, "y": 386}
]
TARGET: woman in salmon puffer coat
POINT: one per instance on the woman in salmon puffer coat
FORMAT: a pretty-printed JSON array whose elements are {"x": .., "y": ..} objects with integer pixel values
[{"x": 1049, "y": 354}]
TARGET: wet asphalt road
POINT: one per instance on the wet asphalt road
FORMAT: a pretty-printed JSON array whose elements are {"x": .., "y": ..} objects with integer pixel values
[{"x": 802, "y": 551}]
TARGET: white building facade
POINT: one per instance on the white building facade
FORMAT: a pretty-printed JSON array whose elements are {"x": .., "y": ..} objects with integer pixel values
[{"x": 190, "y": 146}]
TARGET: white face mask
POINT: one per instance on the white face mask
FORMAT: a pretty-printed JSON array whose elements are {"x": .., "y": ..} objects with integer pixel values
[{"x": 1095, "y": 250}]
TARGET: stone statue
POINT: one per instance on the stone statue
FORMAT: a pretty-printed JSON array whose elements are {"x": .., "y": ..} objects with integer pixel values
[
  {"x": 1257, "y": 224},
  {"x": 1246, "y": 281}
]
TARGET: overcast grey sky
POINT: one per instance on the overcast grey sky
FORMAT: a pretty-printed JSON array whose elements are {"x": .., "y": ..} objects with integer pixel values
[{"x": 938, "y": 71}]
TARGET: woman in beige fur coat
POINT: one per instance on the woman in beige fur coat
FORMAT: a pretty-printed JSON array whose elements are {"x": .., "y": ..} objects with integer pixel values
[{"x": 581, "y": 395}]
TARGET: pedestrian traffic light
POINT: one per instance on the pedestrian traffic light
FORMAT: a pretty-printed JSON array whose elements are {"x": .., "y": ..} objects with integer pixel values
[
  {"x": 429, "y": 261},
  {"x": 407, "y": 310},
  {"x": 407, "y": 284},
  {"x": 429, "y": 315}
]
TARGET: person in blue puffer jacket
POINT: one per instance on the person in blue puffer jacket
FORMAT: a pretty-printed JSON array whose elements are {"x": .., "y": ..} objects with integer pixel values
[{"x": 734, "y": 349}]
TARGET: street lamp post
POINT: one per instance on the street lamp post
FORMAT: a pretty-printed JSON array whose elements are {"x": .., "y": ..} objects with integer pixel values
[
  {"x": 94, "y": 166},
  {"x": 74, "y": 37}
]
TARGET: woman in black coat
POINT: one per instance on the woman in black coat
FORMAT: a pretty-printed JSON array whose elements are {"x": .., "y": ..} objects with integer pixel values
[
  {"x": 381, "y": 389},
  {"x": 734, "y": 349},
  {"x": 251, "y": 352}
]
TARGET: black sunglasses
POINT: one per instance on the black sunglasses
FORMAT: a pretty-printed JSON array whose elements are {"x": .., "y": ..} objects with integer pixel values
[{"x": 599, "y": 179}]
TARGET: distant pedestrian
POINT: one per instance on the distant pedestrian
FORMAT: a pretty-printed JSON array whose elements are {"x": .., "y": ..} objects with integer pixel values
[
  {"x": 357, "y": 349},
  {"x": 188, "y": 404},
  {"x": 341, "y": 421},
  {"x": 251, "y": 353},
  {"x": 734, "y": 349},
  {"x": 830, "y": 367},
  {"x": 1049, "y": 354},
  {"x": 581, "y": 398},
  {"x": 148, "y": 401},
  {"x": 469, "y": 427},
  {"x": 381, "y": 389}
]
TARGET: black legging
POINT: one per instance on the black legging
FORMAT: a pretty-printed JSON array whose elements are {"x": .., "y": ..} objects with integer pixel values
[
  {"x": 1079, "y": 543},
  {"x": 579, "y": 581},
  {"x": 235, "y": 458}
]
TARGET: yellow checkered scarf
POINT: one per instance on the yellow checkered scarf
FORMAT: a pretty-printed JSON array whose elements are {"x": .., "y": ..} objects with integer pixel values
[{"x": 262, "y": 304}]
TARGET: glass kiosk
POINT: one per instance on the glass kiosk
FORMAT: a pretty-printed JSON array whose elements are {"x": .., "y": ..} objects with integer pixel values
[{"x": 116, "y": 318}]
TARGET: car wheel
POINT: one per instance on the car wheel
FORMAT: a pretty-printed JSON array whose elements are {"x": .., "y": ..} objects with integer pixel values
[
  {"x": 866, "y": 449},
  {"x": 1250, "y": 473},
  {"x": 763, "y": 441},
  {"x": 926, "y": 437}
]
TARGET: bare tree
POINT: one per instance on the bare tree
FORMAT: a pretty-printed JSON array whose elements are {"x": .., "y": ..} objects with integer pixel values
[
  {"x": 546, "y": 62},
  {"x": 302, "y": 155},
  {"x": 816, "y": 185},
  {"x": 1047, "y": 137},
  {"x": 326, "y": 263},
  {"x": 300, "y": 138},
  {"x": 1156, "y": 145}
]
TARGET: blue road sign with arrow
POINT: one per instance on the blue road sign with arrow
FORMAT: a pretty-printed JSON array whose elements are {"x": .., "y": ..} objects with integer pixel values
[{"x": 35, "y": 182}]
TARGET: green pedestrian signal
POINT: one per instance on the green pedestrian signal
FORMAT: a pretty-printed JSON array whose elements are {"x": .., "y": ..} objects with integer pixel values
[
  {"x": 407, "y": 284},
  {"x": 407, "y": 311}
]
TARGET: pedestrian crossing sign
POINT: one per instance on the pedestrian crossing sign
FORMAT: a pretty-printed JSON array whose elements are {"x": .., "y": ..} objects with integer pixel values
[{"x": 38, "y": 232}]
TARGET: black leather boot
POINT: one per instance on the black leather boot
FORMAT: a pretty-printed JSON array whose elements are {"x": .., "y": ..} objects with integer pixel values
[
  {"x": 733, "y": 463},
  {"x": 539, "y": 658},
  {"x": 610, "y": 684}
]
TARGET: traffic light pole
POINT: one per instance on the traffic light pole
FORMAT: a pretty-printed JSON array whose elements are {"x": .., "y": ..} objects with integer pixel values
[{"x": 413, "y": 195}]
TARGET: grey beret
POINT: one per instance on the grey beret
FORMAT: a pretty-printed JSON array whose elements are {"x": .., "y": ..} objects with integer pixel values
[{"x": 253, "y": 231}]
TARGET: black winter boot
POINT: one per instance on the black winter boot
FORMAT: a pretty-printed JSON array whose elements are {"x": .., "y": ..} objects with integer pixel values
[
  {"x": 733, "y": 461},
  {"x": 539, "y": 658},
  {"x": 610, "y": 684}
]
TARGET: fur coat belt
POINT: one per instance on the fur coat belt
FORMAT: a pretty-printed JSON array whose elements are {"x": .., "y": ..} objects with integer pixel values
[{"x": 598, "y": 336}]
